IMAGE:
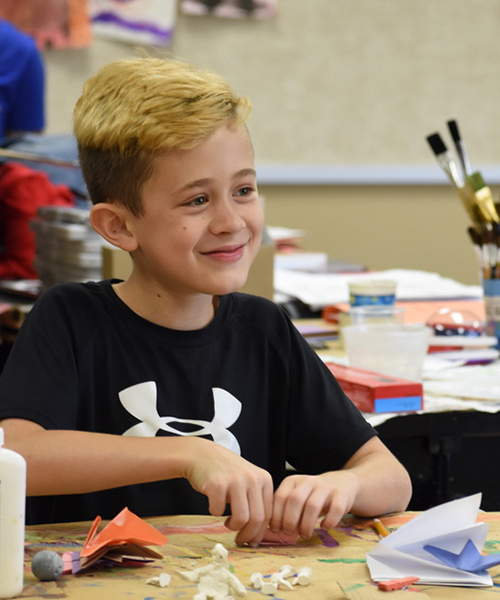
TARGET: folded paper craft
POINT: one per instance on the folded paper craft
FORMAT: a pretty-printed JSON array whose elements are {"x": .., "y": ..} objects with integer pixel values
[
  {"x": 122, "y": 541},
  {"x": 441, "y": 546},
  {"x": 469, "y": 559}
]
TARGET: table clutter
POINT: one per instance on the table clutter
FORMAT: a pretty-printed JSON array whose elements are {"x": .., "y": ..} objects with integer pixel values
[{"x": 198, "y": 555}]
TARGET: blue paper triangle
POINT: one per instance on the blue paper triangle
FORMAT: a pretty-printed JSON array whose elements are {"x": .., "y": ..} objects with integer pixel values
[{"x": 469, "y": 559}]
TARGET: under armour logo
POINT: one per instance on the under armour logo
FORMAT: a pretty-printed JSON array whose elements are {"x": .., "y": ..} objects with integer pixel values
[{"x": 140, "y": 401}]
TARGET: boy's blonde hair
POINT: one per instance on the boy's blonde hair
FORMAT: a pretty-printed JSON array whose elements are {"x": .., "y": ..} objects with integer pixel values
[{"x": 132, "y": 110}]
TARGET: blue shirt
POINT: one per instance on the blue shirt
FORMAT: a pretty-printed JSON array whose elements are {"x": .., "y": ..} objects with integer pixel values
[{"x": 22, "y": 82}]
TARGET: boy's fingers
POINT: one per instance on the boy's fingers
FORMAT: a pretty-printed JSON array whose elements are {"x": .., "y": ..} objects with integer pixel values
[
  {"x": 334, "y": 515},
  {"x": 289, "y": 503},
  {"x": 314, "y": 507},
  {"x": 277, "y": 516},
  {"x": 260, "y": 503},
  {"x": 217, "y": 504},
  {"x": 240, "y": 510}
]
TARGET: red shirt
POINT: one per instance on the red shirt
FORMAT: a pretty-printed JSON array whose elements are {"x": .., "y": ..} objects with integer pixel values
[{"x": 22, "y": 191}]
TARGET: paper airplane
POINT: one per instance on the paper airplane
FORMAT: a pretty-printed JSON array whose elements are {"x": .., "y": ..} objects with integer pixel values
[{"x": 451, "y": 529}]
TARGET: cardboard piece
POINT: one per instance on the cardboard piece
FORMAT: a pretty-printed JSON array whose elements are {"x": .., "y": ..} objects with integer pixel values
[
  {"x": 452, "y": 529},
  {"x": 116, "y": 263},
  {"x": 376, "y": 393},
  {"x": 260, "y": 281}
]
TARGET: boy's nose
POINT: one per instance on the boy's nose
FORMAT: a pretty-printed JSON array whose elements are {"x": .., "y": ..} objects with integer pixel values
[{"x": 227, "y": 219}]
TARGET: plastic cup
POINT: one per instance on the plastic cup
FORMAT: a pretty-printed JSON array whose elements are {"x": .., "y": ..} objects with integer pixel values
[{"x": 393, "y": 349}]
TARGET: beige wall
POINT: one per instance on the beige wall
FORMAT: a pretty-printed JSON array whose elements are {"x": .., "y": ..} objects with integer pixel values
[
  {"x": 339, "y": 81},
  {"x": 319, "y": 97},
  {"x": 418, "y": 227},
  {"x": 67, "y": 70},
  {"x": 382, "y": 227}
]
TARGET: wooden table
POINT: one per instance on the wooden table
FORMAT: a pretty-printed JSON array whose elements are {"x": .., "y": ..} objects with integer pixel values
[{"x": 337, "y": 559}]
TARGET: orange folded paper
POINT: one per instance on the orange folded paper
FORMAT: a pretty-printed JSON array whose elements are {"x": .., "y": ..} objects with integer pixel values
[{"x": 125, "y": 534}]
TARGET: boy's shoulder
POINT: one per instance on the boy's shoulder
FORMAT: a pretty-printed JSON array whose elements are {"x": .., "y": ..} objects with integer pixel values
[
  {"x": 75, "y": 289},
  {"x": 249, "y": 303},
  {"x": 260, "y": 312},
  {"x": 73, "y": 296}
]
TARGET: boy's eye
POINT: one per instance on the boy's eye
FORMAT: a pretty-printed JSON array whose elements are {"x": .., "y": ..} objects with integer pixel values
[
  {"x": 200, "y": 201},
  {"x": 245, "y": 191}
]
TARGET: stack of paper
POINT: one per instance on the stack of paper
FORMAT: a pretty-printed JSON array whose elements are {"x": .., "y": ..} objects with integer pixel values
[{"x": 321, "y": 289}]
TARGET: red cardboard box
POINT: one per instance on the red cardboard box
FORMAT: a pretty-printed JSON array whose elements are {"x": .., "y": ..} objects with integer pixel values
[{"x": 377, "y": 393}]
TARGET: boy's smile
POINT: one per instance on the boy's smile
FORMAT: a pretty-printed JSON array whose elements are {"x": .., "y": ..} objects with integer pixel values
[{"x": 202, "y": 220}]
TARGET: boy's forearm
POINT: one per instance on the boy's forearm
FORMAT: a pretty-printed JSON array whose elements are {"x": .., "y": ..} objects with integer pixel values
[
  {"x": 383, "y": 483},
  {"x": 74, "y": 462}
]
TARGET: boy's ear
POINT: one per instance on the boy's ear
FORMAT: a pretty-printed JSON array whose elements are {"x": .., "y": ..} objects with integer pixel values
[{"x": 111, "y": 222}]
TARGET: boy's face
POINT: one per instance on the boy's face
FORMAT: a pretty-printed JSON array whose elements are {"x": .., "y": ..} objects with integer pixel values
[{"x": 202, "y": 221}]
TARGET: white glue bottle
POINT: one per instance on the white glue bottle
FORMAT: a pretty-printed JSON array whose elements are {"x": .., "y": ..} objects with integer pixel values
[{"x": 12, "y": 508}]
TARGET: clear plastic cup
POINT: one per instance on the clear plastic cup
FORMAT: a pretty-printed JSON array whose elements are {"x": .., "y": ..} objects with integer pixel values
[{"x": 392, "y": 349}]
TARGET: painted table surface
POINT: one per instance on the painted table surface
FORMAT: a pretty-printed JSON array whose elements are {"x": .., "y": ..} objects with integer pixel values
[{"x": 337, "y": 558}]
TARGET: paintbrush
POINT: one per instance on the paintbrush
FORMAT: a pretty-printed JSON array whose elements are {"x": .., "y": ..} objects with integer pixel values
[
  {"x": 445, "y": 159},
  {"x": 460, "y": 147},
  {"x": 483, "y": 197}
]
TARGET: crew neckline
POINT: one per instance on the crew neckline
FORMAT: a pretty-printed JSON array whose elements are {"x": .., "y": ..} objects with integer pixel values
[{"x": 132, "y": 319}]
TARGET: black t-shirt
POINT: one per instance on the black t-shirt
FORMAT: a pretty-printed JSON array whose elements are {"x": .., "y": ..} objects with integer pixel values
[{"x": 84, "y": 361}]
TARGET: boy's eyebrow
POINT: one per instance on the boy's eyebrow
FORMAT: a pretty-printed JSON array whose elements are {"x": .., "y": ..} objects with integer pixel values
[
  {"x": 202, "y": 182},
  {"x": 245, "y": 172}
]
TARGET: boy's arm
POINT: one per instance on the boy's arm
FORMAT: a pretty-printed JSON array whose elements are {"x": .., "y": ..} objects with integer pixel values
[
  {"x": 76, "y": 462},
  {"x": 371, "y": 483}
]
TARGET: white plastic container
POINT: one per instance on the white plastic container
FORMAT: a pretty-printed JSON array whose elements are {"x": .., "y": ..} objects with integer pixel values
[
  {"x": 12, "y": 509},
  {"x": 375, "y": 291}
]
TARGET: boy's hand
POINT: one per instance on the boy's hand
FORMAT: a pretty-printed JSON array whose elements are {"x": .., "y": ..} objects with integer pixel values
[
  {"x": 301, "y": 499},
  {"x": 226, "y": 478}
]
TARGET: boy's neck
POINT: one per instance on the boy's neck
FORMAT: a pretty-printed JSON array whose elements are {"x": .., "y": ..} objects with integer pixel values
[{"x": 175, "y": 312}]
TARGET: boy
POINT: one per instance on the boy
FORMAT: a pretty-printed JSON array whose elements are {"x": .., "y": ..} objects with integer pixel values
[{"x": 168, "y": 392}]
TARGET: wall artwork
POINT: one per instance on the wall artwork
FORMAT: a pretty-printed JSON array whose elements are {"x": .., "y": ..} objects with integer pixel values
[
  {"x": 147, "y": 22},
  {"x": 235, "y": 9},
  {"x": 52, "y": 23}
]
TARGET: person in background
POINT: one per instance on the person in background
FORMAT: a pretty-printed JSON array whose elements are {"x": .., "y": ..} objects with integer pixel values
[
  {"x": 22, "y": 83},
  {"x": 22, "y": 110}
]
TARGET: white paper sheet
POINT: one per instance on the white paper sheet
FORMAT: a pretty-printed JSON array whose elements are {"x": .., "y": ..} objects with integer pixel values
[
  {"x": 448, "y": 526},
  {"x": 321, "y": 289}
]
